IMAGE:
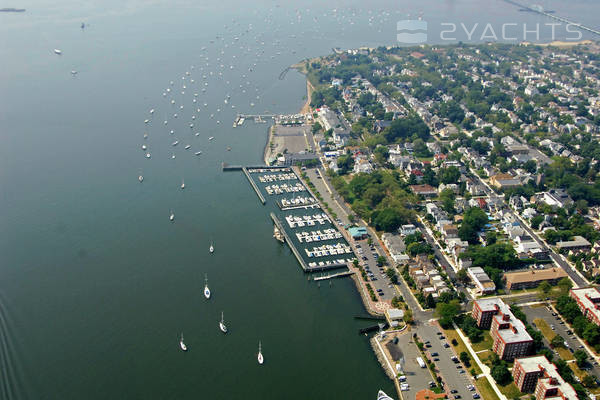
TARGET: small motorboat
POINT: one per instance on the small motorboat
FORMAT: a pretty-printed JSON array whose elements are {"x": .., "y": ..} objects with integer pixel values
[
  {"x": 141, "y": 178},
  {"x": 206, "y": 289},
  {"x": 182, "y": 344},
  {"x": 57, "y": 51},
  {"x": 187, "y": 146},
  {"x": 172, "y": 217},
  {"x": 182, "y": 184},
  {"x": 198, "y": 153},
  {"x": 260, "y": 357},
  {"x": 222, "y": 325}
]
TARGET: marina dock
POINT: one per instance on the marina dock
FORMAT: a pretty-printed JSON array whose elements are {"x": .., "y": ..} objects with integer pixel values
[
  {"x": 332, "y": 276},
  {"x": 303, "y": 264},
  {"x": 258, "y": 193}
]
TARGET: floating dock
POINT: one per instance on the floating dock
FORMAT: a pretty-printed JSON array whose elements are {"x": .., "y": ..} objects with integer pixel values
[
  {"x": 303, "y": 264},
  {"x": 258, "y": 193}
]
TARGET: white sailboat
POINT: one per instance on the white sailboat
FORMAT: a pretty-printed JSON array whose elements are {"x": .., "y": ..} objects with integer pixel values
[
  {"x": 260, "y": 356},
  {"x": 222, "y": 325},
  {"x": 172, "y": 217},
  {"x": 206, "y": 289},
  {"x": 382, "y": 396},
  {"x": 181, "y": 344},
  {"x": 211, "y": 249},
  {"x": 141, "y": 178},
  {"x": 182, "y": 184}
]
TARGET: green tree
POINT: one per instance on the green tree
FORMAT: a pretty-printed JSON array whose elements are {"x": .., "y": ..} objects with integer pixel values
[
  {"x": 500, "y": 373},
  {"x": 581, "y": 357},
  {"x": 543, "y": 289},
  {"x": 557, "y": 341},
  {"x": 462, "y": 275},
  {"x": 446, "y": 312},
  {"x": 449, "y": 175},
  {"x": 464, "y": 357},
  {"x": 565, "y": 285}
]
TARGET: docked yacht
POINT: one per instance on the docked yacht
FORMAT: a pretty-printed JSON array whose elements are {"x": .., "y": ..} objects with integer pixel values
[
  {"x": 222, "y": 325},
  {"x": 206, "y": 289},
  {"x": 181, "y": 344}
]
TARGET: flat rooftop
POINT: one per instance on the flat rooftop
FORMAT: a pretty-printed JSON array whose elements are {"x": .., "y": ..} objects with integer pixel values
[{"x": 551, "y": 377}]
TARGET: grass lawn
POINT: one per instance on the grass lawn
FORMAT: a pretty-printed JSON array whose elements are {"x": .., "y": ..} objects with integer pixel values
[
  {"x": 485, "y": 344},
  {"x": 460, "y": 347},
  {"x": 549, "y": 335},
  {"x": 510, "y": 391},
  {"x": 485, "y": 389},
  {"x": 581, "y": 374}
]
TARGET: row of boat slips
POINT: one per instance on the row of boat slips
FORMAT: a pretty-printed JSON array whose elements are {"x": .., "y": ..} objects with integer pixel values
[
  {"x": 285, "y": 188},
  {"x": 328, "y": 250},
  {"x": 317, "y": 236},
  {"x": 262, "y": 170},
  {"x": 330, "y": 262},
  {"x": 307, "y": 220},
  {"x": 298, "y": 201},
  {"x": 277, "y": 177}
]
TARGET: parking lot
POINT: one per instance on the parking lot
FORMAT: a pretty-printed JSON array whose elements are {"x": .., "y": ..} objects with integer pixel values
[
  {"x": 453, "y": 374},
  {"x": 378, "y": 279},
  {"x": 560, "y": 328},
  {"x": 417, "y": 378}
]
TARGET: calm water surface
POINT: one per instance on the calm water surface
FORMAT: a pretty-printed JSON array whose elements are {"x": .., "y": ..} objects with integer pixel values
[{"x": 96, "y": 283}]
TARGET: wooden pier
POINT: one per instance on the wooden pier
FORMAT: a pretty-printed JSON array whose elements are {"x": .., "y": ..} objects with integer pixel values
[
  {"x": 258, "y": 193},
  {"x": 332, "y": 276}
]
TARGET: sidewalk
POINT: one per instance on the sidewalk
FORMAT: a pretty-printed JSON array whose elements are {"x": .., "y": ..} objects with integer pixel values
[{"x": 484, "y": 368}]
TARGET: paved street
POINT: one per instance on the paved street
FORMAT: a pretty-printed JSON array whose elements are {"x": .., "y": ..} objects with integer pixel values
[
  {"x": 560, "y": 329},
  {"x": 452, "y": 375}
]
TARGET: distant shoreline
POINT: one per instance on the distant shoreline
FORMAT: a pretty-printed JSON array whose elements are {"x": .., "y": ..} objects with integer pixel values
[{"x": 12, "y": 10}]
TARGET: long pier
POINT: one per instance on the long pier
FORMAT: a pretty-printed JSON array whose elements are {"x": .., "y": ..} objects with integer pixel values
[
  {"x": 332, "y": 276},
  {"x": 277, "y": 222},
  {"x": 258, "y": 193},
  {"x": 555, "y": 17},
  {"x": 228, "y": 167}
]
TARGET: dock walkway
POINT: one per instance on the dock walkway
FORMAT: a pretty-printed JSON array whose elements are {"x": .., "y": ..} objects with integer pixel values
[{"x": 258, "y": 193}]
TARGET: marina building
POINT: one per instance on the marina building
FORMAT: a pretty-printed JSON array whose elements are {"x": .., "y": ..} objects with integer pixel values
[
  {"x": 510, "y": 337},
  {"x": 538, "y": 375},
  {"x": 588, "y": 300},
  {"x": 358, "y": 232}
]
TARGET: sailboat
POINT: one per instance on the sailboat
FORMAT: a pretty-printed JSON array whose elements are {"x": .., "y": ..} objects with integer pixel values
[
  {"x": 172, "y": 216},
  {"x": 222, "y": 324},
  {"x": 141, "y": 178},
  {"x": 260, "y": 356},
  {"x": 382, "y": 396},
  {"x": 181, "y": 344},
  {"x": 206, "y": 289},
  {"x": 211, "y": 249},
  {"x": 182, "y": 184}
]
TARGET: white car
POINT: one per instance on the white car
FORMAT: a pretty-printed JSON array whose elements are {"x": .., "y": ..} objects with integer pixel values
[{"x": 404, "y": 387}]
